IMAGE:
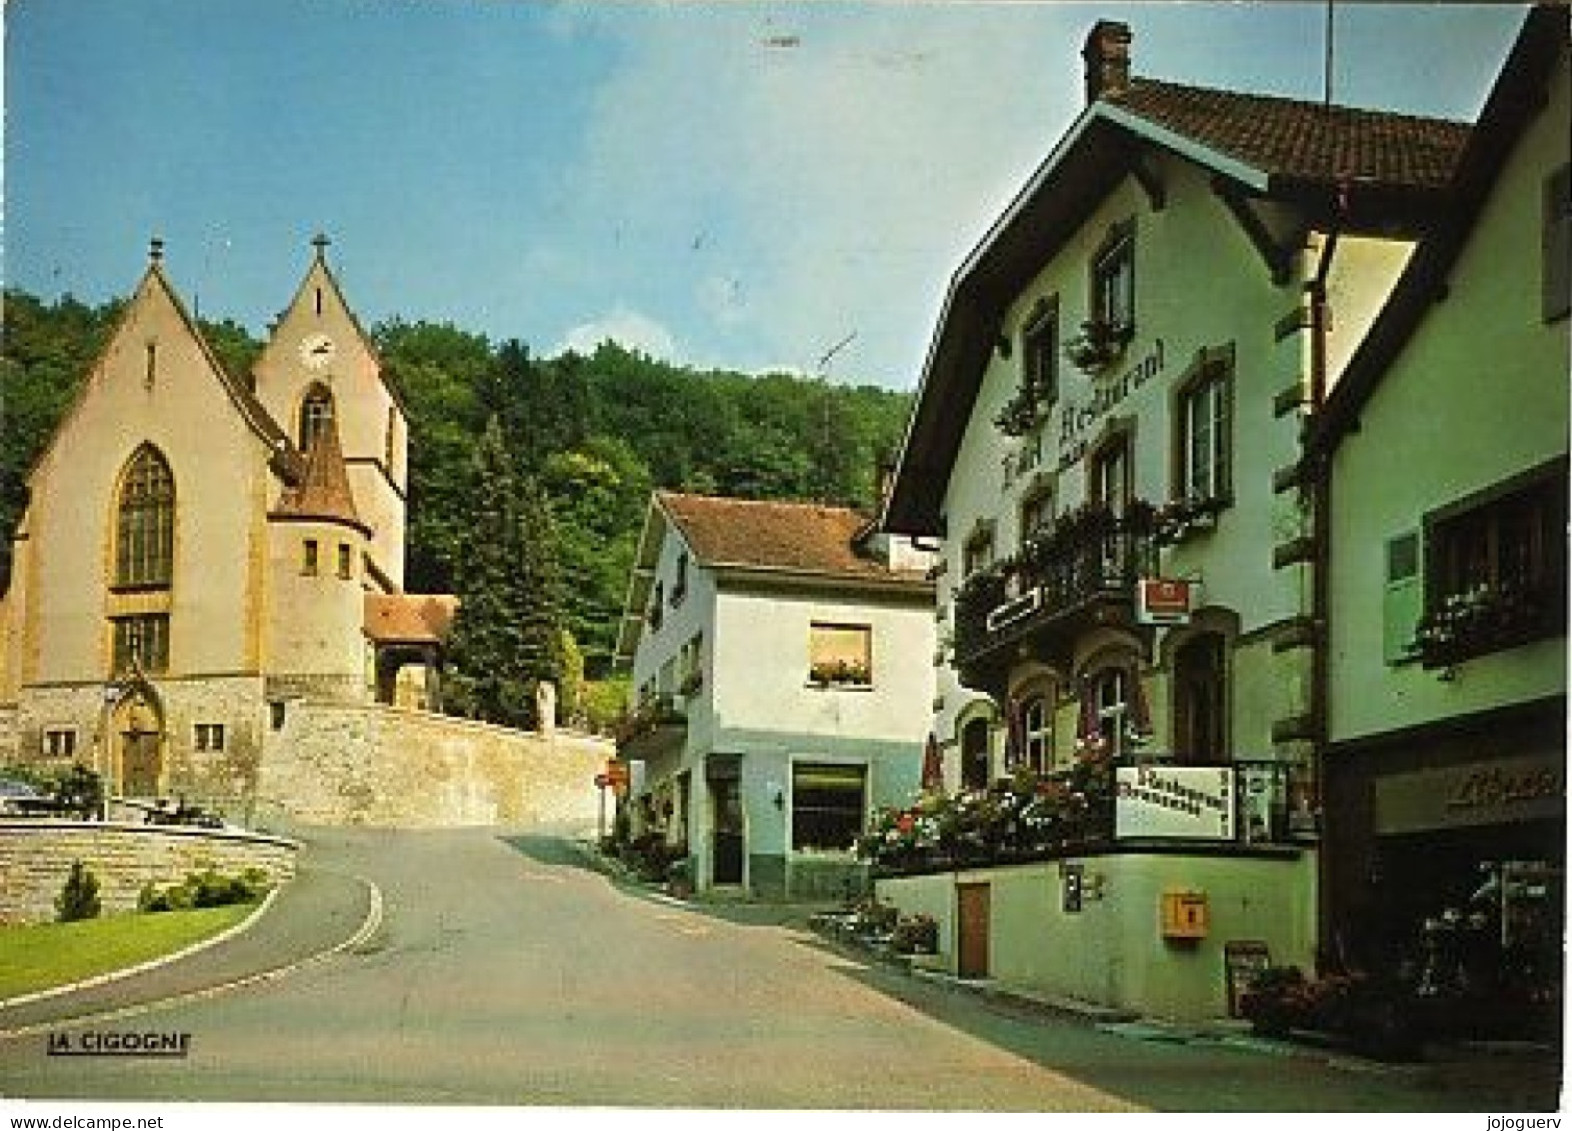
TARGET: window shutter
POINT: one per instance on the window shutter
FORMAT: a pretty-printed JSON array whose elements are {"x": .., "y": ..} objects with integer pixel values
[{"x": 1403, "y": 602}]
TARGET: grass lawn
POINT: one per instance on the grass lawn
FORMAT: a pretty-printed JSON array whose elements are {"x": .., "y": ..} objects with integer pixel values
[{"x": 39, "y": 956}]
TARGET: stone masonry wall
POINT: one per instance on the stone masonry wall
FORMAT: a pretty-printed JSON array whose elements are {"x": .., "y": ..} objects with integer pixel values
[
  {"x": 36, "y": 858},
  {"x": 337, "y": 764}
]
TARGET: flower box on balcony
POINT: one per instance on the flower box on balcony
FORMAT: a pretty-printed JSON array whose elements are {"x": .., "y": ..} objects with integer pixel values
[
  {"x": 1481, "y": 620},
  {"x": 840, "y": 673},
  {"x": 1096, "y": 345}
]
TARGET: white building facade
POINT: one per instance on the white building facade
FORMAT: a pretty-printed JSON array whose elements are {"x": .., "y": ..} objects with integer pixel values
[
  {"x": 780, "y": 654},
  {"x": 1108, "y": 440},
  {"x": 1447, "y": 594}
]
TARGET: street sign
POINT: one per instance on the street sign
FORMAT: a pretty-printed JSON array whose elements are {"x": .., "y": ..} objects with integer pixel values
[{"x": 602, "y": 781}]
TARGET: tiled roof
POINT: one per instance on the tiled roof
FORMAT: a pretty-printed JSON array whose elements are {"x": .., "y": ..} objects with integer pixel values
[
  {"x": 804, "y": 538},
  {"x": 409, "y": 618},
  {"x": 323, "y": 491},
  {"x": 1300, "y": 140}
]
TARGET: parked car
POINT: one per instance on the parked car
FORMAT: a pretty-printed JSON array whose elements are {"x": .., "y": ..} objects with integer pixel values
[{"x": 23, "y": 799}]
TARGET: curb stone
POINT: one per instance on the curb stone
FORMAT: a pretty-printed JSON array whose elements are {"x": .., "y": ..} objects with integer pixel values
[{"x": 151, "y": 964}]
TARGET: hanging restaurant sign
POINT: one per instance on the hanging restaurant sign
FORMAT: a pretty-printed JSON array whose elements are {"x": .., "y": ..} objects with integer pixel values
[
  {"x": 1162, "y": 600},
  {"x": 1182, "y": 802}
]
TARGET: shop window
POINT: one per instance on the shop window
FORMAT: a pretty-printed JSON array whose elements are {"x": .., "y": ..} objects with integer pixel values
[
  {"x": 145, "y": 523},
  {"x": 210, "y": 736},
  {"x": 141, "y": 641},
  {"x": 1205, "y": 436},
  {"x": 1200, "y": 721},
  {"x": 840, "y": 654},
  {"x": 827, "y": 806},
  {"x": 975, "y": 770},
  {"x": 1557, "y": 258},
  {"x": 60, "y": 742},
  {"x": 1496, "y": 571}
]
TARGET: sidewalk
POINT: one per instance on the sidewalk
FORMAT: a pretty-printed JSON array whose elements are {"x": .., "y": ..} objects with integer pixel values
[
  {"x": 316, "y": 913},
  {"x": 1442, "y": 1067}
]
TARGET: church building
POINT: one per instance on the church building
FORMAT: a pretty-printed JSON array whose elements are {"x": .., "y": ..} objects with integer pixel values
[{"x": 207, "y": 556}]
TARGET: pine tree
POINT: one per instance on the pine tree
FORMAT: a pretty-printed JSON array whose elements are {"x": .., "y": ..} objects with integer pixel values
[{"x": 508, "y": 633}]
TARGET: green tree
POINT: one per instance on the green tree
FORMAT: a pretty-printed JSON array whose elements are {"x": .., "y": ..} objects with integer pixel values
[
  {"x": 78, "y": 898},
  {"x": 508, "y": 634}
]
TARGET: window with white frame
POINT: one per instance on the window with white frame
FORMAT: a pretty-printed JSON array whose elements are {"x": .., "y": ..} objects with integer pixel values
[
  {"x": 210, "y": 736},
  {"x": 1112, "y": 479},
  {"x": 840, "y": 654},
  {"x": 1037, "y": 732},
  {"x": 1113, "y": 282},
  {"x": 1205, "y": 435},
  {"x": 60, "y": 742}
]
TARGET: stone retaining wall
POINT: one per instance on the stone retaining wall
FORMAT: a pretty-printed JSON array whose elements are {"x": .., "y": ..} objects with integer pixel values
[
  {"x": 36, "y": 857},
  {"x": 338, "y": 764}
]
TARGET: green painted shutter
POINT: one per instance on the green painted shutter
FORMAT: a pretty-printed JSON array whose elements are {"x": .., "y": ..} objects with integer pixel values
[{"x": 1403, "y": 603}]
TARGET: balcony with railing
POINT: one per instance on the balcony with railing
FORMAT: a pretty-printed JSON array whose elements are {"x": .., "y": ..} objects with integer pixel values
[
  {"x": 1078, "y": 574},
  {"x": 1156, "y": 804},
  {"x": 657, "y": 726}
]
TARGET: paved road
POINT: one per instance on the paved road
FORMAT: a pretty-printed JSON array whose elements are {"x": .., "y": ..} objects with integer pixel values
[{"x": 508, "y": 972}]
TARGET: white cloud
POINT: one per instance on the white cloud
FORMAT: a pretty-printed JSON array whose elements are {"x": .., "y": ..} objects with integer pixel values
[{"x": 628, "y": 328}]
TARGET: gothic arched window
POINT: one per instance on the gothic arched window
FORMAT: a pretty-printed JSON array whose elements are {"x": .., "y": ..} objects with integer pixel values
[
  {"x": 315, "y": 413},
  {"x": 145, "y": 522}
]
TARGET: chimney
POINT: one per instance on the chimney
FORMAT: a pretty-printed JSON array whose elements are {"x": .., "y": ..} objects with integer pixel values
[{"x": 1107, "y": 55}]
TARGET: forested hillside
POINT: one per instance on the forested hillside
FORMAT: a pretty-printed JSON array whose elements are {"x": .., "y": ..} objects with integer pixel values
[{"x": 594, "y": 433}]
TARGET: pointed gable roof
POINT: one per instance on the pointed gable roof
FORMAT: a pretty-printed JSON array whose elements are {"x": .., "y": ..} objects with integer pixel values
[
  {"x": 1289, "y": 141},
  {"x": 155, "y": 287},
  {"x": 1516, "y": 97},
  {"x": 320, "y": 276},
  {"x": 1365, "y": 170},
  {"x": 322, "y": 494}
]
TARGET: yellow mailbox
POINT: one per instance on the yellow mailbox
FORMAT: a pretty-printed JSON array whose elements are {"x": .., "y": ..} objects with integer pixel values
[{"x": 1184, "y": 915}]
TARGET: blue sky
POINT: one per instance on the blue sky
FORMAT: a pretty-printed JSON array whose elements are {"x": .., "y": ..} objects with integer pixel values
[{"x": 739, "y": 184}]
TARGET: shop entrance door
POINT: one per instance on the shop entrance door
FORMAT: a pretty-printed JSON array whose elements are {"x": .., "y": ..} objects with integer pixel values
[
  {"x": 726, "y": 860},
  {"x": 971, "y": 919}
]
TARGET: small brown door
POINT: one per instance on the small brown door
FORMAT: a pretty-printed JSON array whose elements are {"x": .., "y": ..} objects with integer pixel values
[
  {"x": 971, "y": 919},
  {"x": 139, "y": 764}
]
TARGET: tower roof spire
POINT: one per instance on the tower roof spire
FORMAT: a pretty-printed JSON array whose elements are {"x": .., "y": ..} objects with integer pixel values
[{"x": 323, "y": 491}]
